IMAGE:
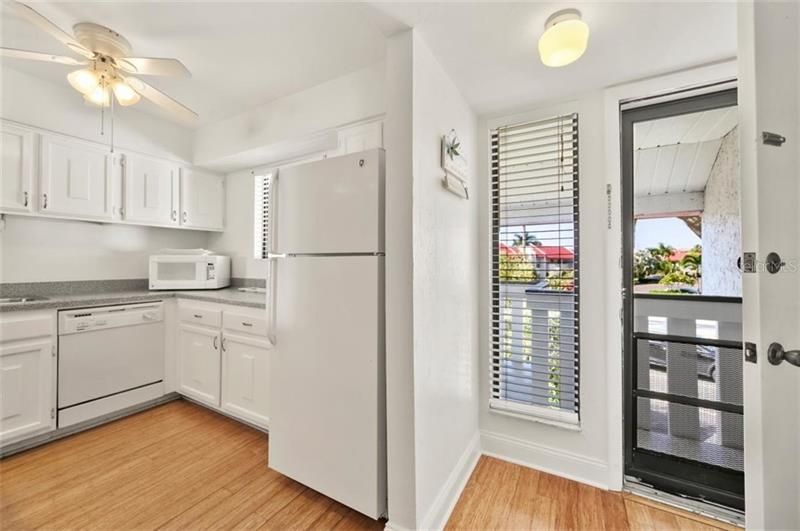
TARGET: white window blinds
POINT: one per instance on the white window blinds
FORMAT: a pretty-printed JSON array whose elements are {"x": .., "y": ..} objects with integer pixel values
[
  {"x": 535, "y": 288},
  {"x": 261, "y": 193}
]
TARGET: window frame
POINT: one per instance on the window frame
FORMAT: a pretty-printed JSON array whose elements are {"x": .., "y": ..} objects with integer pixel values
[{"x": 563, "y": 418}]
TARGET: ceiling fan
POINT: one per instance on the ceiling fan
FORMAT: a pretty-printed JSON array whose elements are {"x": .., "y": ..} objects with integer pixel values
[{"x": 108, "y": 68}]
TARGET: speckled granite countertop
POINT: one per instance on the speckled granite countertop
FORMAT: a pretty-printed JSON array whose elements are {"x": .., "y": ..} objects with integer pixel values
[{"x": 61, "y": 300}]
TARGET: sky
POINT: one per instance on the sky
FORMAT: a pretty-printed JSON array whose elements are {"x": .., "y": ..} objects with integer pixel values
[{"x": 671, "y": 231}]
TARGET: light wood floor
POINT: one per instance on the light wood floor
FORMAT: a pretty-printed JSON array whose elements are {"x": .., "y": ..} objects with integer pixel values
[
  {"x": 180, "y": 466},
  {"x": 502, "y": 495}
]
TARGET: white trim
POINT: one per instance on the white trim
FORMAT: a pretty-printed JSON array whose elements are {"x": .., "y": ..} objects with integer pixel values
[
  {"x": 567, "y": 420},
  {"x": 449, "y": 494},
  {"x": 393, "y": 527},
  {"x": 612, "y": 98},
  {"x": 546, "y": 459}
]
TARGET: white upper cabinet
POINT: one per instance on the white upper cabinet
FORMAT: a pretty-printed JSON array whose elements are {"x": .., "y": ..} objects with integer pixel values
[
  {"x": 150, "y": 190},
  {"x": 360, "y": 138},
  {"x": 202, "y": 200},
  {"x": 17, "y": 191},
  {"x": 75, "y": 178}
]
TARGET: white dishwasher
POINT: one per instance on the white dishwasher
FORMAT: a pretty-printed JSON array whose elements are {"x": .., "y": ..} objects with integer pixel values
[{"x": 109, "y": 358}]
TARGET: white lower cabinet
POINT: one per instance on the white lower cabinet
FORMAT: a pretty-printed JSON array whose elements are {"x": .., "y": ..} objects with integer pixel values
[
  {"x": 27, "y": 375},
  {"x": 245, "y": 374},
  {"x": 199, "y": 363},
  {"x": 224, "y": 359}
]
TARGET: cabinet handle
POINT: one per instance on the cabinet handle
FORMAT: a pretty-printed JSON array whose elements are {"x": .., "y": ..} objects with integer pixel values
[
  {"x": 184, "y": 216},
  {"x": 215, "y": 342},
  {"x": 198, "y": 316},
  {"x": 244, "y": 323},
  {"x": 174, "y": 215},
  {"x": 44, "y": 204},
  {"x": 223, "y": 345},
  {"x": 25, "y": 198}
]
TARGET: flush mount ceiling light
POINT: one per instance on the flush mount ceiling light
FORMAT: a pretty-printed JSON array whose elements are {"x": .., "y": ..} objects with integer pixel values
[{"x": 564, "y": 39}]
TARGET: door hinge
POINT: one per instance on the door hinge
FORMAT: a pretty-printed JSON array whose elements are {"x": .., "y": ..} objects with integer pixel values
[
  {"x": 52, "y": 412},
  {"x": 122, "y": 160},
  {"x": 53, "y": 350}
]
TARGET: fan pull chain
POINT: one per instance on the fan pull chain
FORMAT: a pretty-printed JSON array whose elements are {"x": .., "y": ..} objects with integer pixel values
[{"x": 111, "y": 97}]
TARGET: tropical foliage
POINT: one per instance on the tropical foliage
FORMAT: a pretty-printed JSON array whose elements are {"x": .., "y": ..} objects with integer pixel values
[{"x": 516, "y": 268}]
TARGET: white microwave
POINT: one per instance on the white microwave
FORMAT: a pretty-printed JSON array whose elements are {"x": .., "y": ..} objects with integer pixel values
[{"x": 189, "y": 271}]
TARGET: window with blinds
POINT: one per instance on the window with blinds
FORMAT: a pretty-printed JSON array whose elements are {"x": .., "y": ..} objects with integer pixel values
[
  {"x": 535, "y": 282},
  {"x": 261, "y": 215}
]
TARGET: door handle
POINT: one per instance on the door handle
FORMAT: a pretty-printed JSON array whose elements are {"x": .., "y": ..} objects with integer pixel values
[
  {"x": 776, "y": 354},
  {"x": 215, "y": 342},
  {"x": 25, "y": 200},
  {"x": 174, "y": 215},
  {"x": 223, "y": 345}
]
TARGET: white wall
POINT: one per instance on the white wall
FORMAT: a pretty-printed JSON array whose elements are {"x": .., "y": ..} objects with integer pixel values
[
  {"x": 431, "y": 292},
  {"x": 445, "y": 250},
  {"x": 582, "y": 454},
  {"x": 42, "y": 250},
  {"x": 722, "y": 223},
  {"x": 398, "y": 139},
  {"x": 38, "y": 249},
  {"x": 238, "y": 238},
  {"x": 349, "y": 98}
]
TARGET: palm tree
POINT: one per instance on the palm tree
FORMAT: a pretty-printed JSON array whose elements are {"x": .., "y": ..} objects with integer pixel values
[
  {"x": 692, "y": 263},
  {"x": 525, "y": 239}
]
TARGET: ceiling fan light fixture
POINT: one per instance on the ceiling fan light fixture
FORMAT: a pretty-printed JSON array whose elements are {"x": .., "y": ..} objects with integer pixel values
[
  {"x": 83, "y": 80},
  {"x": 565, "y": 38},
  {"x": 124, "y": 93},
  {"x": 100, "y": 96}
]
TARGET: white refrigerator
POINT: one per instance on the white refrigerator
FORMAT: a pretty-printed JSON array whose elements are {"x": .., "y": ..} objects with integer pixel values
[{"x": 326, "y": 276}]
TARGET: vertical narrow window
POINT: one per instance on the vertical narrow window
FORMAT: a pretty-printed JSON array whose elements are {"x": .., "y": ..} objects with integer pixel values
[
  {"x": 535, "y": 282},
  {"x": 261, "y": 215}
]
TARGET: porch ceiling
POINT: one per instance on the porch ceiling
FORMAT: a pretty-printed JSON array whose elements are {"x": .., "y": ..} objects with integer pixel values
[{"x": 675, "y": 155}]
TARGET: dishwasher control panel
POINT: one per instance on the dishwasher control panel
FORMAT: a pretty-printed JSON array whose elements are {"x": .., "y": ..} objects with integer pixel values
[{"x": 89, "y": 319}]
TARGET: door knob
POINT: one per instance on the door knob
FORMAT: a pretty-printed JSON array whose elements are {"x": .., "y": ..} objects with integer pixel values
[{"x": 776, "y": 354}]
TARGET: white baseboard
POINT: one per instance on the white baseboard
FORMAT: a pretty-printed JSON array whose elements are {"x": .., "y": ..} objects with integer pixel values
[
  {"x": 450, "y": 492},
  {"x": 448, "y": 496},
  {"x": 545, "y": 458}
]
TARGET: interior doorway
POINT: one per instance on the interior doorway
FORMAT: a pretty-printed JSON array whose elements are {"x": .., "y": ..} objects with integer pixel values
[{"x": 683, "y": 392}]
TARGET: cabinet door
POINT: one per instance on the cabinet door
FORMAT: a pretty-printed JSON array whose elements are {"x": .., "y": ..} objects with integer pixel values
[
  {"x": 151, "y": 190},
  {"x": 75, "y": 178},
  {"x": 360, "y": 138},
  {"x": 202, "y": 199},
  {"x": 245, "y": 378},
  {"x": 16, "y": 193},
  {"x": 26, "y": 389},
  {"x": 199, "y": 363}
]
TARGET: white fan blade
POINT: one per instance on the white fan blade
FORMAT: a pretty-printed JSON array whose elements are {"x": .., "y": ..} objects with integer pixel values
[
  {"x": 45, "y": 25},
  {"x": 39, "y": 56},
  {"x": 153, "y": 66},
  {"x": 162, "y": 100}
]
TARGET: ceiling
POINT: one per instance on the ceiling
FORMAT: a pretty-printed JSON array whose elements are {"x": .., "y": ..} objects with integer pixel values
[
  {"x": 245, "y": 54},
  {"x": 490, "y": 48},
  {"x": 675, "y": 155},
  {"x": 240, "y": 54}
]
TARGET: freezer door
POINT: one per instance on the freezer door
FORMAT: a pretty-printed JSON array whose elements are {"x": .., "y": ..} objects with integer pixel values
[
  {"x": 330, "y": 206},
  {"x": 327, "y": 413}
]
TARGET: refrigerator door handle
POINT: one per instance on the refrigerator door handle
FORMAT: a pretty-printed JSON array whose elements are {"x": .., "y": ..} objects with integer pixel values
[
  {"x": 272, "y": 287},
  {"x": 271, "y": 300}
]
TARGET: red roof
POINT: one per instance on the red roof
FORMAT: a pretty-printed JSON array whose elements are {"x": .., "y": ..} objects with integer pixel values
[
  {"x": 508, "y": 250},
  {"x": 553, "y": 252},
  {"x": 678, "y": 255}
]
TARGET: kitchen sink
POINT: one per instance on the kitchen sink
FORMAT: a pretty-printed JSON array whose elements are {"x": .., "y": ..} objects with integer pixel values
[{"x": 15, "y": 300}]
